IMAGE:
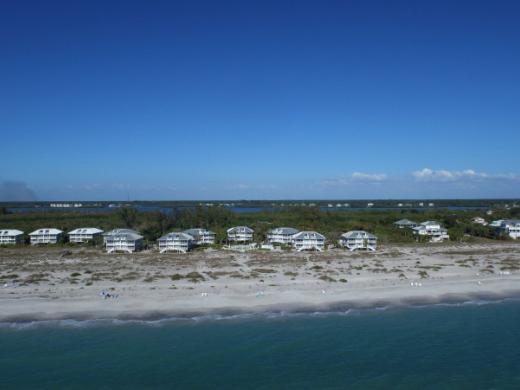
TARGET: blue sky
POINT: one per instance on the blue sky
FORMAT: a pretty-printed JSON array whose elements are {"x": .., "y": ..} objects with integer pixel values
[{"x": 260, "y": 100}]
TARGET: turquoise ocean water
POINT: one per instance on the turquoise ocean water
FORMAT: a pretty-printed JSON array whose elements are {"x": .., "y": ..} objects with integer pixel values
[{"x": 468, "y": 346}]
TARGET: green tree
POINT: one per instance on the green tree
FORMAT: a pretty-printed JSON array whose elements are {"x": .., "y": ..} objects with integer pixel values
[{"x": 128, "y": 216}]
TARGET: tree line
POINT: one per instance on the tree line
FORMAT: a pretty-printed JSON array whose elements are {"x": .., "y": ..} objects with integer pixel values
[{"x": 154, "y": 224}]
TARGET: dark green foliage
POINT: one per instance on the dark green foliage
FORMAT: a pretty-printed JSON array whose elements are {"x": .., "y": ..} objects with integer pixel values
[
  {"x": 515, "y": 212},
  {"x": 153, "y": 224},
  {"x": 128, "y": 216}
]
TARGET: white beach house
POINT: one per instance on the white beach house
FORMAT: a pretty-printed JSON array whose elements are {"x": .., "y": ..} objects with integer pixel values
[
  {"x": 10, "y": 236},
  {"x": 479, "y": 221},
  {"x": 358, "y": 239},
  {"x": 240, "y": 234},
  {"x": 123, "y": 240},
  {"x": 431, "y": 229},
  {"x": 308, "y": 240},
  {"x": 201, "y": 236},
  {"x": 176, "y": 242},
  {"x": 282, "y": 235},
  {"x": 46, "y": 236},
  {"x": 84, "y": 234},
  {"x": 510, "y": 227},
  {"x": 405, "y": 223}
]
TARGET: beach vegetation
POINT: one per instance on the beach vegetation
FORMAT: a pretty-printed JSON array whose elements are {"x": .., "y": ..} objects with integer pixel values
[
  {"x": 195, "y": 277},
  {"x": 510, "y": 264},
  {"x": 9, "y": 276},
  {"x": 327, "y": 278},
  {"x": 264, "y": 270},
  {"x": 36, "y": 278}
]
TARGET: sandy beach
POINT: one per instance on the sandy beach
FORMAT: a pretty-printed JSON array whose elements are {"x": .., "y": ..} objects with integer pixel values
[{"x": 68, "y": 283}]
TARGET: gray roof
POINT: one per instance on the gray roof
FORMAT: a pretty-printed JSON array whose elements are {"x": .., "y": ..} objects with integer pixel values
[
  {"x": 358, "y": 234},
  {"x": 429, "y": 223},
  {"x": 284, "y": 230},
  {"x": 405, "y": 222},
  {"x": 10, "y": 232},
  {"x": 240, "y": 229},
  {"x": 128, "y": 234},
  {"x": 514, "y": 222},
  {"x": 176, "y": 236},
  {"x": 46, "y": 231},
  {"x": 88, "y": 230},
  {"x": 198, "y": 232},
  {"x": 309, "y": 235}
]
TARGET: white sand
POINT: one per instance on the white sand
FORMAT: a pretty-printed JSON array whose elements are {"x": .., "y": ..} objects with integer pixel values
[{"x": 248, "y": 282}]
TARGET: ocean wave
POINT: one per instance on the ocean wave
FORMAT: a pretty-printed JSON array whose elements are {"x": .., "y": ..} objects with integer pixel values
[{"x": 161, "y": 320}]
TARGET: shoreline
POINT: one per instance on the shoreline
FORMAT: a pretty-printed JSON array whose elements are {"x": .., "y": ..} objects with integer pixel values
[
  {"x": 326, "y": 306},
  {"x": 41, "y": 284}
]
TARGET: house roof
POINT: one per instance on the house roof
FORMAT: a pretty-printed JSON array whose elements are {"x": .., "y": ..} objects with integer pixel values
[
  {"x": 357, "y": 234},
  {"x": 405, "y": 222},
  {"x": 430, "y": 223},
  {"x": 10, "y": 232},
  {"x": 198, "y": 232},
  {"x": 425, "y": 227},
  {"x": 308, "y": 235},
  {"x": 88, "y": 230},
  {"x": 46, "y": 231},
  {"x": 128, "y": 234},
  {"x": 176, "y": 236},
  {"x": 240, "y": 229},
  {"x": 510, "y": 222},
  {"x": 284, "y": 230}
]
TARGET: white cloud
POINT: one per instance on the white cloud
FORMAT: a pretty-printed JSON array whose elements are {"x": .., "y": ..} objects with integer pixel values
[
  {"x": 356, "y": 177},
  {"x": 428, "y": 174},
  {"x": 369, "y": 176}
]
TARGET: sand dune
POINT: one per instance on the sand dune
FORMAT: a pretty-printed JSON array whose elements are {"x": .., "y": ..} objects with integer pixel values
[{"x": 58, "y": 283}]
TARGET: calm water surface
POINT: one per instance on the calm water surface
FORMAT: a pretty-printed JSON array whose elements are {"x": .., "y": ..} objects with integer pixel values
[{"x": 439, "y": 347}]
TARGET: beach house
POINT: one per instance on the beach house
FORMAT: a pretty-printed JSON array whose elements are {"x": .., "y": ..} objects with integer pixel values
[
  {"x": 176, "y": 242},
  {"x": 358, "y": 239},
  {"x": 123, "y": 240},
  {"x": 46, "y": 236},
  {"x": 282, "y": 236},
  {"x": 10, "y": 236},
  {"x": 201, "y": 236},
  {"x": 431, "y": 229},
  {"x": 81, "y": 235},
  {"x": 405, "y": 223},
  {"x": 479, "y": 221},
  {"x": 497, "y": 223},
  {"x": 510, "y": 227},
  {"x": 308, "y": 240},
  {"x": 240, "y": 234}
]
